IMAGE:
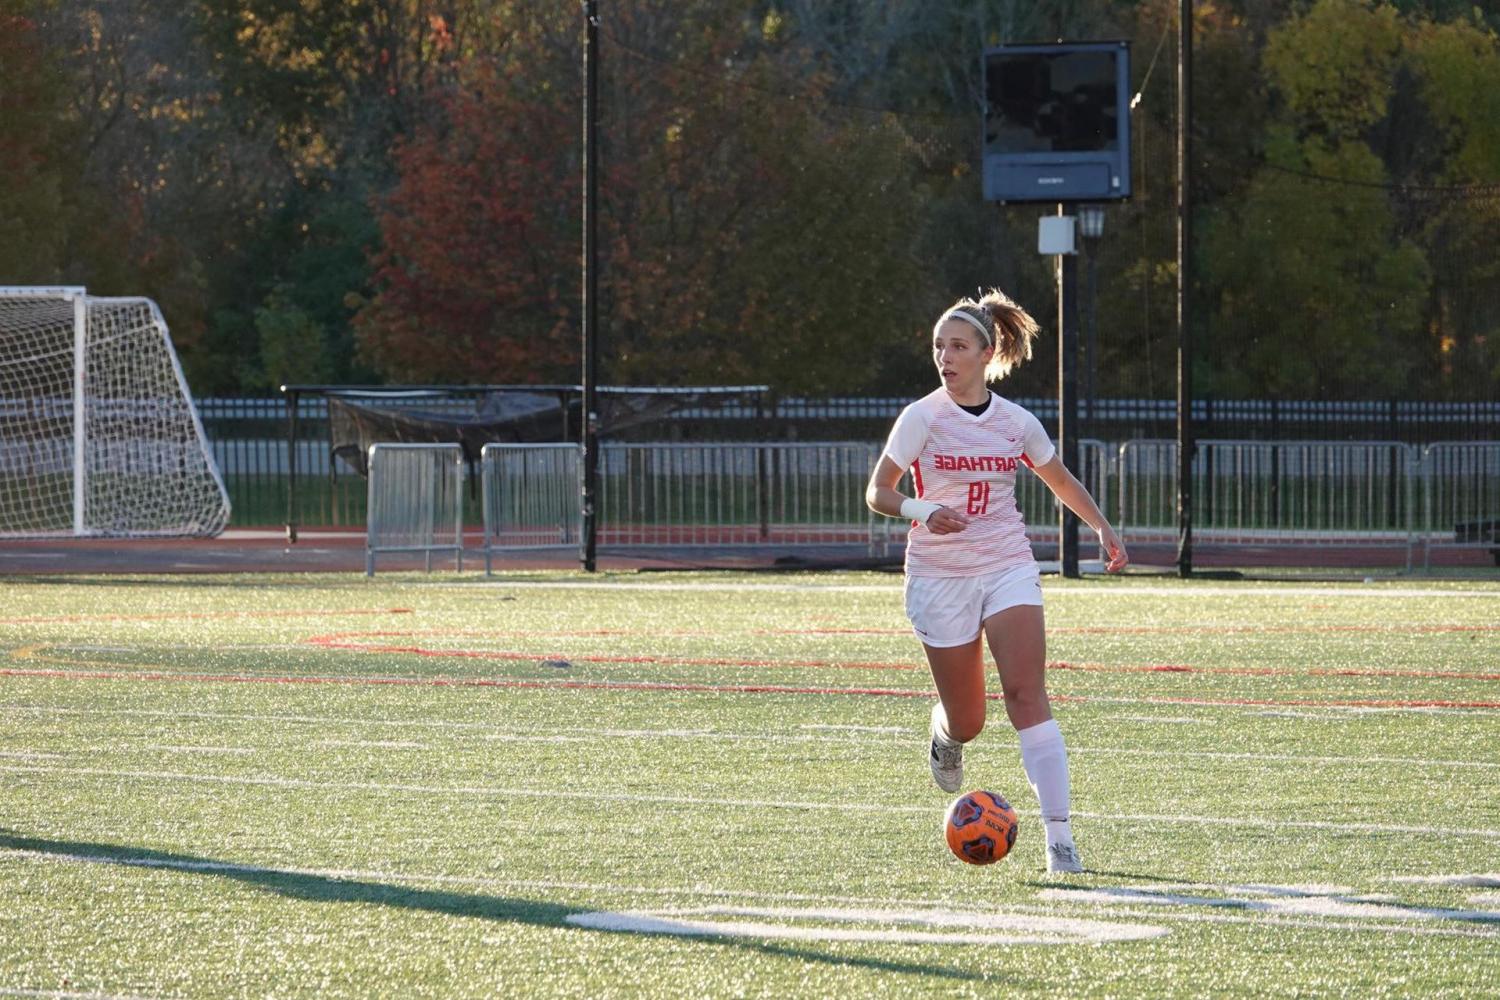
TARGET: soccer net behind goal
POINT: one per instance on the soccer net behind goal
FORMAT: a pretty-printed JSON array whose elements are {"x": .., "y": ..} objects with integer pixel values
[{"x": 98, "y": 432}]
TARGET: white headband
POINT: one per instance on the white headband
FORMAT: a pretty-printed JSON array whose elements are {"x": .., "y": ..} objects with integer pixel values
[{"x": 960, "y": 314}]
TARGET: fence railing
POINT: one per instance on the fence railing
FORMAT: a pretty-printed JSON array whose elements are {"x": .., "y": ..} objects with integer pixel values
[
  {"x": 415, "y": 501},
  {"x": 1328, "y": 494},
  {"x": 531, "y": 497},
  {"x": 683, "y": 495},
  {"x": 726, "y": 495},
  {"x": 720, "y": 496},
  {"x": 1041, "y": 510},
  {"x": 1307, "y": 495},
  {"x": 249, "y": 434},
  {"x": 1257, "y": 492},
  {"x": 1460, "y": 483}
]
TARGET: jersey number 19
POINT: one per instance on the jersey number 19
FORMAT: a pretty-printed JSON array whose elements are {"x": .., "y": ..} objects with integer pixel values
[{"x": 979, "y": 498}]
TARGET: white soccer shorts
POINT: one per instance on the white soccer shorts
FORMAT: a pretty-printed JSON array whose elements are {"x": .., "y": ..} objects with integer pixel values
[{"x": 951, "y": 610}]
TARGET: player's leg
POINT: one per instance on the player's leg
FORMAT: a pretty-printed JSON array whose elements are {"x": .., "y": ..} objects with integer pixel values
[
  {"x": 1017, "y": 640},
  {"x": 958, "y": 716},
  {"x": 945, "y": 616}
]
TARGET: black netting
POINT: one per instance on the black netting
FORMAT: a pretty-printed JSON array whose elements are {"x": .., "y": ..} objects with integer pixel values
[{"x": 358, "y": 420}]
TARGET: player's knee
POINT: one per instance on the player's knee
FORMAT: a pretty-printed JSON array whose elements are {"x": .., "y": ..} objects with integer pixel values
[
  {"x": 964, "y": 726},
  {"x": 1025, "y": 696}
]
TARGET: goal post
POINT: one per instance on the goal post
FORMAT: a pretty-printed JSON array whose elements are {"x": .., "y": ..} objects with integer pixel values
[{"x": 99, "y": 436}]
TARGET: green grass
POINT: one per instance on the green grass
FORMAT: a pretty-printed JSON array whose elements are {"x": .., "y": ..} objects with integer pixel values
[{"x": 1291, "y": 816}]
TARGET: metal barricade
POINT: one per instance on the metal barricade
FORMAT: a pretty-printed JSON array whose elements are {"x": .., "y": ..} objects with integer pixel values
[
  {"x": 738, "y": 494},
  {"x": 719, "y": 495},
  {"x": 1461, "y": 496},
  {"x": 531, "y": 497},
  {"x": 1327, "y": 494},
  {"x": 1042, "y": 511},
  {"x": 415, "y": 501}
]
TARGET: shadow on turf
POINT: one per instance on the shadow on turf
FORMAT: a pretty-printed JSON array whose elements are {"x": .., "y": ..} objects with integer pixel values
[{"x": 328, "y": 888}]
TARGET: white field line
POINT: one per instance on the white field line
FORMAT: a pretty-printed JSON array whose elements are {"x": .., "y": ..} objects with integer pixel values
[
  {"x": 1281, "y": 903},
  {"x": 1306, "y": 922},
  {"x": 1261, "y": 823},
  {"x": 31, "y": 755},
  {"x": 174, "y": 748},
  {"x": 1314, "y": 716},
  {"x": 1111, "y": 593},
  {"x": 1489, "y": 880},
  {"x": 1257, "y": 709},
  {"x": 64, "y": 994},
  {"x": 957, "y": 928},
  {"x": 855, "y": 734},
  {"x": 1119, "y": 752},
  {"x": 709, "y": 892}
]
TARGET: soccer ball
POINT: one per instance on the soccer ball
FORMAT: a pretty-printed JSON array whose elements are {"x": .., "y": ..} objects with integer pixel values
[{"x": 980, "y": 828}]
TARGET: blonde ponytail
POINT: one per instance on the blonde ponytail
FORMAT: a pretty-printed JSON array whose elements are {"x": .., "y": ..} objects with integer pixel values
[{"x": 1009, "y": 329}]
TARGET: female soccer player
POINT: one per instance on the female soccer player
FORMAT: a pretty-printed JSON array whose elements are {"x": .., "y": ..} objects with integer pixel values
[{"x": 969, "y": 568}]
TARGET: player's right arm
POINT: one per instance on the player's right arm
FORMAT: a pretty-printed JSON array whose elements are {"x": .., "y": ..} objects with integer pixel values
[{"x": 883, "y": 498}]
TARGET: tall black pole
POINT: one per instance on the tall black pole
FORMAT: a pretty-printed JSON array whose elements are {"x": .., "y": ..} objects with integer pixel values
[
  {"x": 1067, "y": 395},
  {"x": 1091, "y": 347},
  {"x": 590, "y": 431},
  {"x": 1185, "y": 441}
]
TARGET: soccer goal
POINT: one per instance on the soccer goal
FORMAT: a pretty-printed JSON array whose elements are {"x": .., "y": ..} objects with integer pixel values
[{"x": 99, "y": 436}]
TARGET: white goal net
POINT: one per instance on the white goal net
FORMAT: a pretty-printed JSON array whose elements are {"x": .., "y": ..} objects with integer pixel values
[{"x": 98, "y": 432}]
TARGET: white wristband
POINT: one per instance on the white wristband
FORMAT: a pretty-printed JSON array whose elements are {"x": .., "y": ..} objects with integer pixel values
[{"x": 919, "y": 510}]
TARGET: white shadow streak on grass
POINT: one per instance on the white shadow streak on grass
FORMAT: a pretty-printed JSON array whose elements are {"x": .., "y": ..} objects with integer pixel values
[
  {"x": 1259, "y": 822},
  {"x": 1308, "y": 922}
]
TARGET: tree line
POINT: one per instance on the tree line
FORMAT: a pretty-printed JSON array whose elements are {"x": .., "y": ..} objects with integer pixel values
[{"x": 389, "y": 190}]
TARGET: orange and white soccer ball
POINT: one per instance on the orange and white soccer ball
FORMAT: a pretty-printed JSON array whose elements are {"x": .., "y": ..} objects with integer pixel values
[{"x": 980, "y": 827}]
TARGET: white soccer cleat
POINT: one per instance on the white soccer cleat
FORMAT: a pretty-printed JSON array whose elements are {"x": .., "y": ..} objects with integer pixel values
[
  {"x": 946, "y": 756},
  {"x": 1063, "y": 859}
]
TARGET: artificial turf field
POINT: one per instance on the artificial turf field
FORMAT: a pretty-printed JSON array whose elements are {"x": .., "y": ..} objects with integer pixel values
[{"x": 715, "y": 785}]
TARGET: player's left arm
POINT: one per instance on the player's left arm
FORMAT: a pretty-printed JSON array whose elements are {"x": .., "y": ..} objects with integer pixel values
[{"x": 1071, "y": 492}]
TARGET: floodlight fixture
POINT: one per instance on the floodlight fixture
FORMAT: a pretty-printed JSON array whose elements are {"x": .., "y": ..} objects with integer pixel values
[{"x": 1090, "y": 221}]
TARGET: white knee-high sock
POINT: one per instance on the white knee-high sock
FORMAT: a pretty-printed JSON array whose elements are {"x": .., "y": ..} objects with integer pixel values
[
  {"x": 940, "y": 726},
  {"x": 1045, "y": 758}
]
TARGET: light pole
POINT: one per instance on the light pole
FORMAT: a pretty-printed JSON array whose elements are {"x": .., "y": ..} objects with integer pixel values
[
  {"x": 589, "y": 488},
  {"x": 1091, "y": 228},
  {"x": 1186, "y": 436},
  {"x": 1067, "y": 378}
]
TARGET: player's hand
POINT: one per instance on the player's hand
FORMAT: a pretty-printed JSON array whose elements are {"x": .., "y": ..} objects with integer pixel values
[
  {"x": 1114, "y": 548},
  {"x": 945, "y": 522}
]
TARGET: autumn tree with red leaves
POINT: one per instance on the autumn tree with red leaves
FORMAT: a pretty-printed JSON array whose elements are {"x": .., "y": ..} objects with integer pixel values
[
  {"x": 748, "y": 235},
  {"x": 477, "y": 269}
]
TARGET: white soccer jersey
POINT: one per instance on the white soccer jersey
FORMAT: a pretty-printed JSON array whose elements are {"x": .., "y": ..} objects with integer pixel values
[{"x": 968, "y": 464}]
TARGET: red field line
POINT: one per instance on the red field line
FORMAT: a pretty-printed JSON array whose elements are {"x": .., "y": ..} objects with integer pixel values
[
  {"x": 1257, "y": 629},
  {"x": 338, "y": 641},
  {"x": 200, "y": 616},
  {"x": 460, "y": 682},
  {"x": 1174, "y": 668},
  {"x": 1093, "y": 630},
  {"x": 488, "y": 682},
  {"x": 343, "y": 640}
]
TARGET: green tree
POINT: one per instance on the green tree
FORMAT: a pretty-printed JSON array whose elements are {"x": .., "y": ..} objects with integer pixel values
[
  {"x": 1341, "y": 269},
  {"x": 33, "y": 133}
]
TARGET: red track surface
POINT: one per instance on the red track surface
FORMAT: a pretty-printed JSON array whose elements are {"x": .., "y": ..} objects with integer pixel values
[{"x": 266, "y": 550}]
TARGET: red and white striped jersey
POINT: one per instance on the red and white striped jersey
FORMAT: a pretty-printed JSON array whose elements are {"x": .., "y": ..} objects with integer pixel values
[{"x": 968, "y": 464}]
